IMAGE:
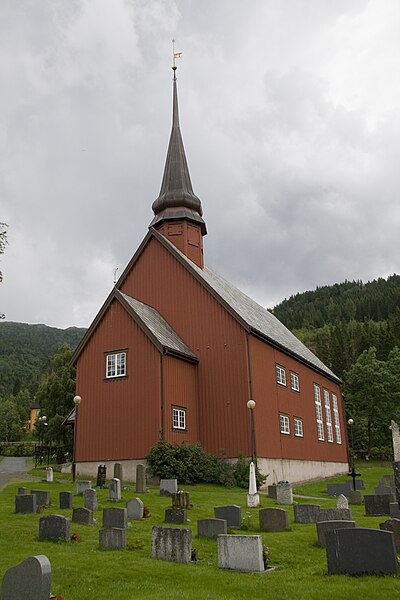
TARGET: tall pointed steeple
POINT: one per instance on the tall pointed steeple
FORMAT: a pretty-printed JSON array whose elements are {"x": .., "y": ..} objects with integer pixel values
[{"x": 178, "y": 211}]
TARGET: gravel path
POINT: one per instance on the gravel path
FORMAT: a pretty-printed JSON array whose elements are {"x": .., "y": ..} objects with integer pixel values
[{"x": 12, "y": 467}]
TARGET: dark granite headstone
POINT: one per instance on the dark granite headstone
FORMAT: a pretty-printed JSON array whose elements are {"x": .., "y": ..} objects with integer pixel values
[
  {"x": 115, "y": 518},
  {"x": 355, "y": 497},
  {"x": 30, "y": 580},
  {"x": 42, "y": 497},
  {"x": 140, "y": 479},
  {"x": 377, "y": 505},
  {"x": 392, "y": 525},
  {"x": 54, "y": 527},
  {"x": 90, "y": 500},
  {"x": 272, "y": 491},
  {"x": 82, "y": 515},
  {"x": 232, "y": 514},
  {"x": 118, "y": 474},
  {"x": 66, "y": 499},
  {"x": 324, "y": 526},
  {"x": 22, "y": 491},
  {"x": 211, "y": 528},
  {"x": 171, "y": 543},
  {"x": 273, "y": 519},
  {"x": 176, "y": 515},
  {"x": 384, "y": 489},
  {"x": 334, "y": 514},
  {"x": 101, "y": 476},
  {"x": 168, "y": 487},
  {"x": 306, "y": 513},
  {"x": 394, "y": 510},
  {"x": 25, "y": 503},
  {"x": 112, "y": 539},
  {"x": 361, "y": 551}
]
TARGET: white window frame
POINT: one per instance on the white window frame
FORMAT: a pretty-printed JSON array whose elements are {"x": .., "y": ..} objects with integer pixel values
[
  {"x": 115, "y": 365},
  {"x": 294, "y": 381},
  {"x": 284, "y": 423},
  {"x": 328, "y": 417},
  {"x": 178, "y": 418},
  {"x": 298, "y": 427},
  {"x": 280, "y": 375},
  {"x": 318, "y": 413},
  {"x": 336, "y": 419}
]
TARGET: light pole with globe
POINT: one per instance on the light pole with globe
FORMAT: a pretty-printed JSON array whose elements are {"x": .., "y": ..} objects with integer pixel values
[{"x": 77, "y": 401}]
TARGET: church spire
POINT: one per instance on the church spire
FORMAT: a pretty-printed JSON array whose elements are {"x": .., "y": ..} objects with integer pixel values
[{"x": 177, "y": 201}]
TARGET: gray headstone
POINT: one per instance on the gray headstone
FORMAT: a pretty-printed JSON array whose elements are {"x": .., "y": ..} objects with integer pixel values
[
  {"x": 392, "y": 525},
  {"x": 42, "y": 497},
  {"x": 22, "y": 491},
  {"x": 335, "y": 489},
  {"x": 342, "y": 501},
  {"x": 115, "y": 518},
  {"x": 176, "y": 515},
  {"x": 65, "y": 499},
  {"x": 49, "y": 475},
  {"x": 168, "y": 487},
  {"x": 394, "y": 510},
  {"x": 135, "y": 508},
  {"x": 172, "y": 544},
  {"x": 284, "y": 494},
  {"x": 273, "y": 519},
  {"x": 384, "y": 489},
  {"x": 240, "y": 552},
  {"x": 118, "y": 474},
  {"x": 324, "y": 526},
  {"x": 181, "y": 500},
  {"x": 377, "y": 505},
  {"x": 355, "y": 497},
  {"x": 232, "y": 514},
  {"x": 140, "y": 479},
  {"x": 113, "y": 539},
  {"x": 272, "y": 491},
  {"x": 81, "y": 486},
  {"x": 25, "y": 503},
  {"x": 82, "y": 515},
  {"x": 115, "y": 489},
  {"x": 361, "y": 551},
  {"x": 54, "y": 527},
  {"x": 334, "y": 514},
  {"x": 90, "y": 500},
  {"x": 306, "y": 513},
  {"x": 30, "y": 580},
  {"x": 211, "y": 528}
]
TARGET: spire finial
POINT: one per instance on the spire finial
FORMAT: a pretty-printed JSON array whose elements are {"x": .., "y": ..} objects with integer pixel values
[{"x": 175, "y": 55}]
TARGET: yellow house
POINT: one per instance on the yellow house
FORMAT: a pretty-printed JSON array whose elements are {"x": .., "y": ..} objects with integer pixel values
[{"x": 29, "y": 425}]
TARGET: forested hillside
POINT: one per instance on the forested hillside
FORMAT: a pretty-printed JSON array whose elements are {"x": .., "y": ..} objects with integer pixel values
[{"x": 26, "y": 351}]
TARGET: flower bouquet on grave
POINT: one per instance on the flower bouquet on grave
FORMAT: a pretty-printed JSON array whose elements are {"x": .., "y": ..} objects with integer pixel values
[
  {"x": 266, "y": 556},
  {"x": 74, "y": 537}
]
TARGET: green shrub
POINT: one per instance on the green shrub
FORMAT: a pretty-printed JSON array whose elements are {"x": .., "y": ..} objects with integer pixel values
[
  {"x": 17, "y": 449},
  {"x": 242, "y": 471}
]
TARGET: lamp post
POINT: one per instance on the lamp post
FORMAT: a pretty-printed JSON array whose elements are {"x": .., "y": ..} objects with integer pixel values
[
  {"x": 352, "y": 473},
  {"x": 251, "y": 405},
  {"x": 77, "y": 401},
  {"x": 42, "y": 424}
]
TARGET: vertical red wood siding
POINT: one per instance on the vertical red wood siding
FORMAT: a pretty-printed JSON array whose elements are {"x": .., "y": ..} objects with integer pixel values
[{"x": 180, "y": 391}]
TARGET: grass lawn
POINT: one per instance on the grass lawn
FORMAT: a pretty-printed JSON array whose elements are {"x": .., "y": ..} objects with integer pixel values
[{"x": 81, "y": 570}]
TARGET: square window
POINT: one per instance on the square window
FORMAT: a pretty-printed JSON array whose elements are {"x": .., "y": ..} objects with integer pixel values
[
  {"x": 284, "y": 424},
  {"x": 280, "y": 375},
  {"x": 179, "y": 418},
  {"x": 298, "y": 426},
  {"x": 294, "y": 381},
  {"x": 115, "y": 365}
]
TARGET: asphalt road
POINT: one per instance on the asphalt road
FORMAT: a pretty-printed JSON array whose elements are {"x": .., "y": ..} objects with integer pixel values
[{"x": 11, "y": 467}]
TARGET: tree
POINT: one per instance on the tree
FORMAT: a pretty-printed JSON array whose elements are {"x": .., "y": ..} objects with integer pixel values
[
  {"x": 3, "y": 243},
  {"x": 10, "y": 421},
  {"x": 55, "y": 396}
]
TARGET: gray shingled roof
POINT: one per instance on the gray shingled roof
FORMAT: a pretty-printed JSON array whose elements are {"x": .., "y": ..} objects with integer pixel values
[
  {"x": 258, "y": 318},
  {"x": 160, "y": 329}
]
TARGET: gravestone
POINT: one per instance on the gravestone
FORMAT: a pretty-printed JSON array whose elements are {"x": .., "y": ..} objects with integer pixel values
[
  {"x": 384, "y": 489},
  {"x": 101, "y": 476},
  {"x": 253, "y": 497},
  {"x": 65, "y": 499},
  {"x": 284, "y": 494},
  {"x": 394, "y": 510},
  {"x": 377, "y": 505},
  {"x": 355, "y": 497},
  {"x": 232, "y": 514},
  {"x": 324, "y": 526},
  {"x": 180, "y": 499},
  {"x": 306, "y": 513},
  {"x": 115, "y": 489},
  {"x": 42, "y": 497},
  {"x": 22, "y": 491},
  {"x": 240, "y": 552},
  {"x": 168, "y": 487},
  {"x": 54, "y": 527},
  {"x": 335, "y": 489},
  {"x": 334, "y": 514},
  {"x": 392, "y": 525},
  {"x": 81, "y": 486},
  {"x": 273, "y": 519},
  {"x": 135, "y": 509},
  {"x": 172, "y": 544},
  {"x": 342, "y": 501},
  {"x": 82, "y": 515},
  {"x": 112, "y": 539},
  {"x": 140, "y": 479},
  {"x": 25, "y": 503},
  {"x": 211, "y": 528},
  {"x": 30, "y": 580},
  {"x": 271, "y": 491},
  {"x": 118, "y": 471},
  {"x": 176, "y": 515},
  {"x": 90, "y": 500},
  {"x": 49, "y": 475},
  {"x": 361, "y": 551},
  {"x": 115, "y": 517}
]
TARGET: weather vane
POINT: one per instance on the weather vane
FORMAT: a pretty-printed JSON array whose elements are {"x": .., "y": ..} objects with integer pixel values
[{"x": 175, "y": 56}]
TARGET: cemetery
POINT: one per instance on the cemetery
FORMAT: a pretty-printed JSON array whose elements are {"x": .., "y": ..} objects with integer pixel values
[{"x": 79, "y": 540}]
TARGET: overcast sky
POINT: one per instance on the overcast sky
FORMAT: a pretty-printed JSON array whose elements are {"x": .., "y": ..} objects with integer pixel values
[{"x": 290, "y": 116}]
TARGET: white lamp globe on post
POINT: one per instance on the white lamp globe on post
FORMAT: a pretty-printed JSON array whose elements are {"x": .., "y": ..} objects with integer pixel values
[{"x": 77, "y": 401}]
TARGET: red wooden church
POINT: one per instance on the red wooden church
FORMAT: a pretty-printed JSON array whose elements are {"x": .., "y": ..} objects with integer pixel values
[{"x": 176, "y": 352}]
